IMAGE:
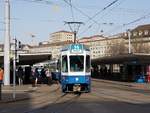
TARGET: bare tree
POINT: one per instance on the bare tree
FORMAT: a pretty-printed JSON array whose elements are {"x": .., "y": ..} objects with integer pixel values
[
  {"x": 117, "y": 48},
  {"x": 140, "y": 45}
]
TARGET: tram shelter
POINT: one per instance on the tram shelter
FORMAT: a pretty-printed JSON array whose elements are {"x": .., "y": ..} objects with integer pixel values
[
  {"x": 122, "y": 67},
  {"x": 26, "y": 60}
]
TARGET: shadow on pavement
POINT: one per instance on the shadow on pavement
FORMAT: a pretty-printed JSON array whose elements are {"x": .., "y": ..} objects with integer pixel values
[
  {"x": 73, "y": 104},
  {"x": 17, "y": 105},
  {"x": 93, "y": 107}
]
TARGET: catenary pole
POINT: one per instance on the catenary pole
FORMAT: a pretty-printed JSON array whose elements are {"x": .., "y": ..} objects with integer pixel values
[{"x": 7, "y": 44}]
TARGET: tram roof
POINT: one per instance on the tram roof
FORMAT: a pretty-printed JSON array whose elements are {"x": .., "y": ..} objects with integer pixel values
[{"x": 70, "y": 46}]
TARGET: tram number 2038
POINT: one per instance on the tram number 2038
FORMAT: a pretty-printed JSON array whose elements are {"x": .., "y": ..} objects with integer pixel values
[{"x": 75, "y": 68}]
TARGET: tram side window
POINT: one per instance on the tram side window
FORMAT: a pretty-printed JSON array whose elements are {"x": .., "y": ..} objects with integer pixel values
[
  {"x": 76, "y": 63},
  {"x": 64, "y": 64},
  {"x": 88, "y": 63}
]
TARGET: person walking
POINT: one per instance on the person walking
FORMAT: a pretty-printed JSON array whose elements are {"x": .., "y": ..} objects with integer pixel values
[
  {"x": 1, "y": 75},
  {"x": 36, "y": 74},
  {"x": 1, "y": 81},
  {"x": 33, "y": 77},
  {"x": 20, "y": 75},
  {"x": 48, "y": 75}
]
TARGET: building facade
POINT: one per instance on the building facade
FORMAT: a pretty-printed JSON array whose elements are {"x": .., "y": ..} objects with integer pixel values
[
  {"x": 99, "y": 45},
  {"x": 102, "y": 46},
  {"x": 140, "y": 39},
  {"x": 61, "y": 36}
]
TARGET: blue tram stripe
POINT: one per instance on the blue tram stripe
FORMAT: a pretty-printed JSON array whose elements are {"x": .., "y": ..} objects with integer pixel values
[{"x": 76, "y": 79}]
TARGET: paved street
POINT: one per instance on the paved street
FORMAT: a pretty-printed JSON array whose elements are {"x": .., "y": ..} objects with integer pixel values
[{"x": 106, "y": 97}]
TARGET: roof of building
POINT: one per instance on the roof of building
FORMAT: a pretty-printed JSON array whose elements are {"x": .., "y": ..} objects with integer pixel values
[
  {"x": 99, "y": 39},
  {"x": 101, "y": 36},
  {"x": 63, "y": 31},
  {"x": 53, "y": 44},
  {"x": 92, "y": 38},
  {"x": 142, "y": 27}
]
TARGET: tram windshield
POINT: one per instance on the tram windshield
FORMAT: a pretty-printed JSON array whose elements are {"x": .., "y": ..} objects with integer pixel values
[
  {"x": 64, "y": 64},
  {"x": 76, "y": 63},
  {"x": 88, "y": 63}
]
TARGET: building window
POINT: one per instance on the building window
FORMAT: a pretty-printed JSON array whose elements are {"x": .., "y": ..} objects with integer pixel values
[
  {"x": 140, "y": 33},
  {"x": 134, "y": 33},
  {"x": 146, "y": 32}
]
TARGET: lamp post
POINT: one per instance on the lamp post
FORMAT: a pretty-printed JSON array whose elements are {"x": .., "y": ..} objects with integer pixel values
[
  {"x": 129, "y": 41},
  {"x": 14, "y": 68},
  {"x": 7, "y": 44}
]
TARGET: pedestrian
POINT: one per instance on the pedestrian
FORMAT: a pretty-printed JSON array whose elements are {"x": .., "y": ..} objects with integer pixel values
[
  {"x": 1, "y": 81},
  {"x": 1, "y": 75},
  {"x": 20, "y": 75},
  {"x": 43, "y": 75},
  {"x": 32, "y": 77},
  {"x": 49, "y": 76},
  {"x": 57, "y": 74},
  {"x": 36, "y": 75}
]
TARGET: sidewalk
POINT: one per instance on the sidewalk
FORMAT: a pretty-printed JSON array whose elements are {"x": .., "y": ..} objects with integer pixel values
[
  {"x": 24, "y": 92},
  {"x": 20, "y": 93}
]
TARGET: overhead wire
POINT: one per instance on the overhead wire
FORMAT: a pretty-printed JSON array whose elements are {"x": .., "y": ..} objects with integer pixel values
[
  {"x": 80, "y": 11},
  {"x": 138, "y": 19},
  {"x": 38, "y": 1},
  {"x": 71, "y": 10},
  {"x": 108, "y": 12},
  {"x": 72, "y": 6},
  {"x": 96, "y": 14},
  {"x": 106, "y": 7},
  {"x": 129, "y": 23},
  {"x": 73, "y": 19},
  {"x": 91, "y": 18}
]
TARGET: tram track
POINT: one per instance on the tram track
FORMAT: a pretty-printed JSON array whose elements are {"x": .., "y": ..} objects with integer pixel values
[
  {"x": 119, "y": 93},
  {"x": 37, "y": 99},
  {"x": 122, "y": 87},
  {"x": 43, "y": 101},
  {"x": 60, "y": 99}
]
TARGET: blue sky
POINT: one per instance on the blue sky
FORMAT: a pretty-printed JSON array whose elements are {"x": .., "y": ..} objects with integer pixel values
[{"x": 41, "y": 19}]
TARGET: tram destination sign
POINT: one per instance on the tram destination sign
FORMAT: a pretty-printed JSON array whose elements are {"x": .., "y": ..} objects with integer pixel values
[{"x": 76, "y": 48}]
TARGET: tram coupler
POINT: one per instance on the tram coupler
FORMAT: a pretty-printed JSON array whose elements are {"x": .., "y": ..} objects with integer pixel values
[{"x": 77, "y": 88}]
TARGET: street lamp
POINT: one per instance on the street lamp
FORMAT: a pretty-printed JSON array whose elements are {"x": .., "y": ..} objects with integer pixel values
[{"x": 129, "y": 41}]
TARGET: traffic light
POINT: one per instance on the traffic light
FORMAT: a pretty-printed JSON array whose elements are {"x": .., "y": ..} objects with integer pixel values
[
  {"x": 19, "y": 45},
  {"x": 15, "y": 43}
]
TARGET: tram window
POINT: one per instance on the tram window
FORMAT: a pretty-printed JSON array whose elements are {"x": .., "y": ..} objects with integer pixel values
[
  {"x": 88, "y": 63},
  {"x": 76, "y": 63},
  {"x": 58, "y": 65},
  {"x": 64, "y": 64}
]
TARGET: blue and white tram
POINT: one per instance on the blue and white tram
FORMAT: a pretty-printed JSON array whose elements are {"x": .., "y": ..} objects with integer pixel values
[{"x": 75, "y": 68}]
